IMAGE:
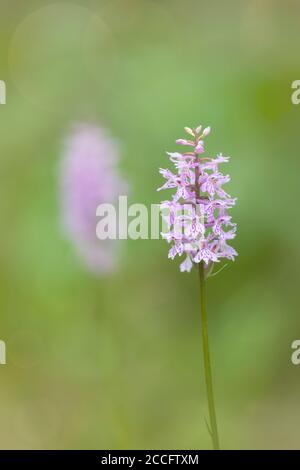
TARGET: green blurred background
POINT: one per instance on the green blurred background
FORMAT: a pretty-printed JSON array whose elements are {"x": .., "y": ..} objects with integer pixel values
[{"x": 116, "y": 362}]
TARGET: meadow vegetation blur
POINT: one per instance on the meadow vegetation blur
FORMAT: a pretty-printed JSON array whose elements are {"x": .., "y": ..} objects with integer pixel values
[{"x": 116, "y": 362}]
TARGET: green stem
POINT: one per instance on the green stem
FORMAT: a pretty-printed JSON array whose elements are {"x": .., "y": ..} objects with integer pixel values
[{"x": 207, "y": 366}]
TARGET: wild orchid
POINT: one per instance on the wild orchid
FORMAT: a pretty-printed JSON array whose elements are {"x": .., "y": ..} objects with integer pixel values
[{"x": 198, "y": 226}]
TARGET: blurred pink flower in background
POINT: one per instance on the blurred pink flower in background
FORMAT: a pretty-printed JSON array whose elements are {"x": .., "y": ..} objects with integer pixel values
[{"x": 89, "y": 176}]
